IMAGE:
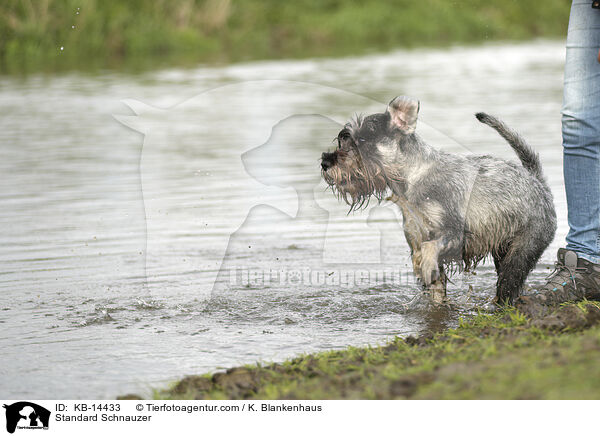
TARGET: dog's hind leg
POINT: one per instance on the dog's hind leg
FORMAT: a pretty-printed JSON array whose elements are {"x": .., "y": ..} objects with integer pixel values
[
  {"x": 498, "y": 254},
  {"x": 514, "y": 267}
]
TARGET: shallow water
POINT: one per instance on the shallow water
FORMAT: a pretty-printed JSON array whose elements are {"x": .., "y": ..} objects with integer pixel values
[{"x": 110, "y": 239}]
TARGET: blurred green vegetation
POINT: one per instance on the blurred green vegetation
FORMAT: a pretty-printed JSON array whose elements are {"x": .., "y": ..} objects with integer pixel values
[{"x": 136, "y": 34}]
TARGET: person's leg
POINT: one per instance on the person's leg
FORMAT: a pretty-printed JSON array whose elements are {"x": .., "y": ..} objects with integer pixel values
[
  {"x": 577, "y": 271},
  {"x": 581, "y": 131}
]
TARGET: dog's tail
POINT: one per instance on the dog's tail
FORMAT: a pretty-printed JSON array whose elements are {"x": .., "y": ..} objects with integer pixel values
[{"x": 529, "y": 158}]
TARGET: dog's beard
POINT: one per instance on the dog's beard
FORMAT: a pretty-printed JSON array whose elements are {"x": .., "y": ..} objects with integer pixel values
[{"x": 356, "y": 184}]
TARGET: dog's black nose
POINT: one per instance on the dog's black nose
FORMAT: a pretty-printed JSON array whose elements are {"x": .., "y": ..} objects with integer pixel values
[{"x": 327, "y": 161}]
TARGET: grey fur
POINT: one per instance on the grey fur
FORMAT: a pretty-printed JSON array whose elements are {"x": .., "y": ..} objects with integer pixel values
[{"x": 457, "y": 209}]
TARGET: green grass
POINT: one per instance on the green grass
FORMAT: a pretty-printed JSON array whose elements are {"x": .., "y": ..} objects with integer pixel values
[
  {"x": 137, "y": 34},
  {"x": 501, "y": 356}
]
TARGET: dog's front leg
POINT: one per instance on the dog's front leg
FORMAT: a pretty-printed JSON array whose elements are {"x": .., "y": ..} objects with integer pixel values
[
  {"x": 414, "y": 231},
  {"x": 437, "y": 289},
  {"x": 432, "y": 274},
  {"x": 430, "y": 265},
  {"x": 432, "y": 271},
  {"x": 414, "y": 238},
  {"x": 416, "y": 261}
]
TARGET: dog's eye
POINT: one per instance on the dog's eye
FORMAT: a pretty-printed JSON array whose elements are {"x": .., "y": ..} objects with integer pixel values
[{"x": 361, "y": 140}]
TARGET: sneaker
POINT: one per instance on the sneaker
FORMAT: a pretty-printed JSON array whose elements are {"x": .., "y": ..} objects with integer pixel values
[{"x": 573, "y": 279}]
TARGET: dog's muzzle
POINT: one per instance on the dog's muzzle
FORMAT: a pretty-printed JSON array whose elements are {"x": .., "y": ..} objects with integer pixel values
[{"x": 328, "y": 160}]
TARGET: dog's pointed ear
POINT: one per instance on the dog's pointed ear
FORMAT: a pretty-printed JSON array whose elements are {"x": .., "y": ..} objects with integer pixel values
[{"x": 403, "y": 113}]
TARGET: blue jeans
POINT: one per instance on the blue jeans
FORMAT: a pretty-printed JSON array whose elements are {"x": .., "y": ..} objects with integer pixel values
[{"x": 581, "y": 131}]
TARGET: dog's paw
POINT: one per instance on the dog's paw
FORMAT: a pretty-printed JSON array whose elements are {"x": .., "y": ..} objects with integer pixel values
[
  {"x": 437, "y": 291},
  {"x": 430, "y": 272}
]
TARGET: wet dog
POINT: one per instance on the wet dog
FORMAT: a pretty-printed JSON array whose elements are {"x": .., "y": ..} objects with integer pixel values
[{"x": 457, "y": 210}]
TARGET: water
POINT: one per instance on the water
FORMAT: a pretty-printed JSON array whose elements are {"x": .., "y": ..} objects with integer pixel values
[{"x": 110, "y": 240}]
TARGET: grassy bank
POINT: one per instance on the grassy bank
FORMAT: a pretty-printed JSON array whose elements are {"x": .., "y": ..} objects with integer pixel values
[
  {"x": 501, "y": 356},
  {"x": 137, "y": 34}
]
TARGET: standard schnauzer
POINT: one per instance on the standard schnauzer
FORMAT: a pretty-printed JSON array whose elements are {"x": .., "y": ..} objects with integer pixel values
[{"x": 456, "y": 209}]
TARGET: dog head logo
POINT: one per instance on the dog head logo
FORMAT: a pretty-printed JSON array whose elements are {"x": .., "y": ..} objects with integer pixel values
[{"x": 26, "y": 415}]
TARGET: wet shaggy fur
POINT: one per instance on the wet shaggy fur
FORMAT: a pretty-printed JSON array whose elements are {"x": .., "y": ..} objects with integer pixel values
[{"x": 456, "y": 209}]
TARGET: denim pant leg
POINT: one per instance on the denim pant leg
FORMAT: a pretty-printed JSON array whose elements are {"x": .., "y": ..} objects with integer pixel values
[{"x": 581, "y": 130}]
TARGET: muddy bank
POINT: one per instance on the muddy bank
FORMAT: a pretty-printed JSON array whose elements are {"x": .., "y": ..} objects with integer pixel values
[{"x": 508, "y": 355}]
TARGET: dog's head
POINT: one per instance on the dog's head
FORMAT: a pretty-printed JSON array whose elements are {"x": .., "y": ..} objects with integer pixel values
[{"x": 370, "y": 151}]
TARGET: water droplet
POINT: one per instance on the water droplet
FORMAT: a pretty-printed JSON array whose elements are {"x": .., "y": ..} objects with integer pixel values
[
  {"x": 62, "y": 48},
  {"x": 72, "y": 27},
  {"x": 77, "y": 12}
]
